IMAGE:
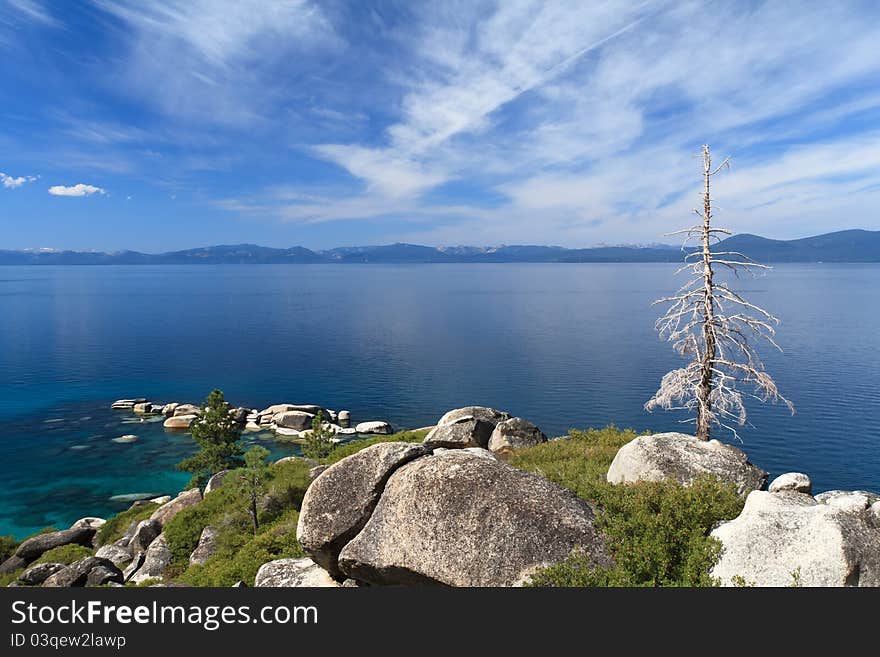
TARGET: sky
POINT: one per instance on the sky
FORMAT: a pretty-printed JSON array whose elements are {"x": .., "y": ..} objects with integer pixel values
[{"x": 156, "y": 126}]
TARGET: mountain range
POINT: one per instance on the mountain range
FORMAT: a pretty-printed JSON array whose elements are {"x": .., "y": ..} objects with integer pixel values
[{"x": 841, "y": 246}]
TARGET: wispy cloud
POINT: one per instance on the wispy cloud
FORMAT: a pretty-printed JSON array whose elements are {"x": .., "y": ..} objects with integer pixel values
[
  {"x": 12, "y": 182},
  {"x": 215, "y": 62},
  {"x": 584, "y": 116},
  {"x": 33, "y": 10},
  {"x": 79, "y": 189}
]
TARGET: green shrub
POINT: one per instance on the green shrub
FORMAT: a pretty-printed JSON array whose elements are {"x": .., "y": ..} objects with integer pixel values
[
  {"x": 656, "y": 531},
  {"x": 65, "y": 554},
  {"x": 8, "y": 545},
  {"x": 226, "y": 509},
  {"x": 115, "y": 527},
  {"x": 237, "y": 559}
]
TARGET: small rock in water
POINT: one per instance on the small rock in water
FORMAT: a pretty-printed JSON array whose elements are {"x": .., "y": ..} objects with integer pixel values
[
  {"x": 133, "y": 497},
  {"x": 128, "y": 438}
]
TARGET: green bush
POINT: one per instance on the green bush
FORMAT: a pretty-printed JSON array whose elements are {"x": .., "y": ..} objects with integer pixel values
[
  {"x": 8, "y": 545},
  {"x": 65, "y": 554},
  {"x": 226, "y": 509},
  {"x": 237, "y": 559},
  {"x": 115, "y": 527},
  {"x": 656, "y": 531}
]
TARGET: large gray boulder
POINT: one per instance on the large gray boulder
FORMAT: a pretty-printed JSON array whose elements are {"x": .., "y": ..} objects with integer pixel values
[
  {"x": 78, "y": 573},
  {"x": 145, "y": 532},
  {"x": 157, "y": 558},
  {"x": 184, "y": 500},
  {"x": 187, "y": 409},
  {"x": 37, "y": 574},
  {"x": 464, "y": 518},
  {"x": 33, "y": 548},
  {"x": 466, "y": 431},
  {"x": 376, "y": 427},
  {"x": 298, "y": 420},
  {"x": 117, "y": 554},
  {"x": 293, "y": 572},
  {"x": 207, "y": 546},
  {"x": 513, "y": 434},
  {"x": 180, "y": 422},
  {"x": 215, "y": 481},
  {"x": 793, "y": 481},
  {"x": 480, "y": 412},
  {"x": 684, "y": 458},
  {"x": 791, "y": 539},
  {"x": 338, "y": 503}
]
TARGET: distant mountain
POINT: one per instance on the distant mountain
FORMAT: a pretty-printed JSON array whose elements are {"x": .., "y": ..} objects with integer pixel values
[{"x": 842, "y": 246}]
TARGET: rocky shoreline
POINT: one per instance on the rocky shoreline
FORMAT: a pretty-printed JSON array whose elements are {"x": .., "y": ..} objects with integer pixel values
[
  {"x": 450, "y": 510},
  {"x": 283, "y": 420}
]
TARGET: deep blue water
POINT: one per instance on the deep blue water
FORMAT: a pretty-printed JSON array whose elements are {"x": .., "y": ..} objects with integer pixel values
[{"x": 563, "y": 345}]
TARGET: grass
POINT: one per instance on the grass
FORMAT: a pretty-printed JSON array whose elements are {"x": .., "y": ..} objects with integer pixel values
[{"x": 656, "y": 531}]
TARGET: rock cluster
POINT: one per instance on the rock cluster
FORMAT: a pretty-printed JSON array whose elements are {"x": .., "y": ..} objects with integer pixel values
[
  {"x": 785, "y": 537},
  {"x": 290, "y": 421},
  {"x": 446, "y": 511}
]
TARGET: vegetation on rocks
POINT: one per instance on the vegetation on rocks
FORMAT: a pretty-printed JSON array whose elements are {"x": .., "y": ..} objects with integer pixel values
[
  {"x": 115, "y": 527},
  {"x": 65, "y": 554},
  {"x": 656, "y": 531},
  {"x": 318, "y": 443}
]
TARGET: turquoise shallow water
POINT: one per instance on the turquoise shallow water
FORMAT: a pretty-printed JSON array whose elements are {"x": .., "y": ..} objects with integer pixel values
[{"x": 563, "y": 345}]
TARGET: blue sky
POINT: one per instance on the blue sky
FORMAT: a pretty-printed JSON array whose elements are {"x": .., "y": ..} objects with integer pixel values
[{"x": 163, "y": 125}]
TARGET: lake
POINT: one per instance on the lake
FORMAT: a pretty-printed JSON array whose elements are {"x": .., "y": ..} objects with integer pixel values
[{"x": 564, "y": 345}]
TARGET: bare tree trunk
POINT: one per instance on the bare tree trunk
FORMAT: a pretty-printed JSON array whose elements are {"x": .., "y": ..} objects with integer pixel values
[
  {"x": 254, "y": 519},
  {"x": 704, "y": 391}
]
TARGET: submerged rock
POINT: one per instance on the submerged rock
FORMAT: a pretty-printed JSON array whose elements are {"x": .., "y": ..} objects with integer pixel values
[{"x": 684, "y": 458}]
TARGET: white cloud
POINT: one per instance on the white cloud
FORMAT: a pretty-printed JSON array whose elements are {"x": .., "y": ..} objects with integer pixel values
[
  {"x": 79, "y": 189},
  {"x": 219, "y": 62},
  {"x": 33, "y": 10},
  {"x": 584, "y": 118},
  {"x": 10, "y": 182}
]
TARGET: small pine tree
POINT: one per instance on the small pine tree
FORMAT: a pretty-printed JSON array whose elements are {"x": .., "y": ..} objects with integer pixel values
[
  {"x": 318, "y": 444},
  {"x": 219, "y": 439},
  {"x": 253, "y": 479}
]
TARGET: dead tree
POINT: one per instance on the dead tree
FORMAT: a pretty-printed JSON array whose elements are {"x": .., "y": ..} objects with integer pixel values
[{"x": 715, "y": 328}]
